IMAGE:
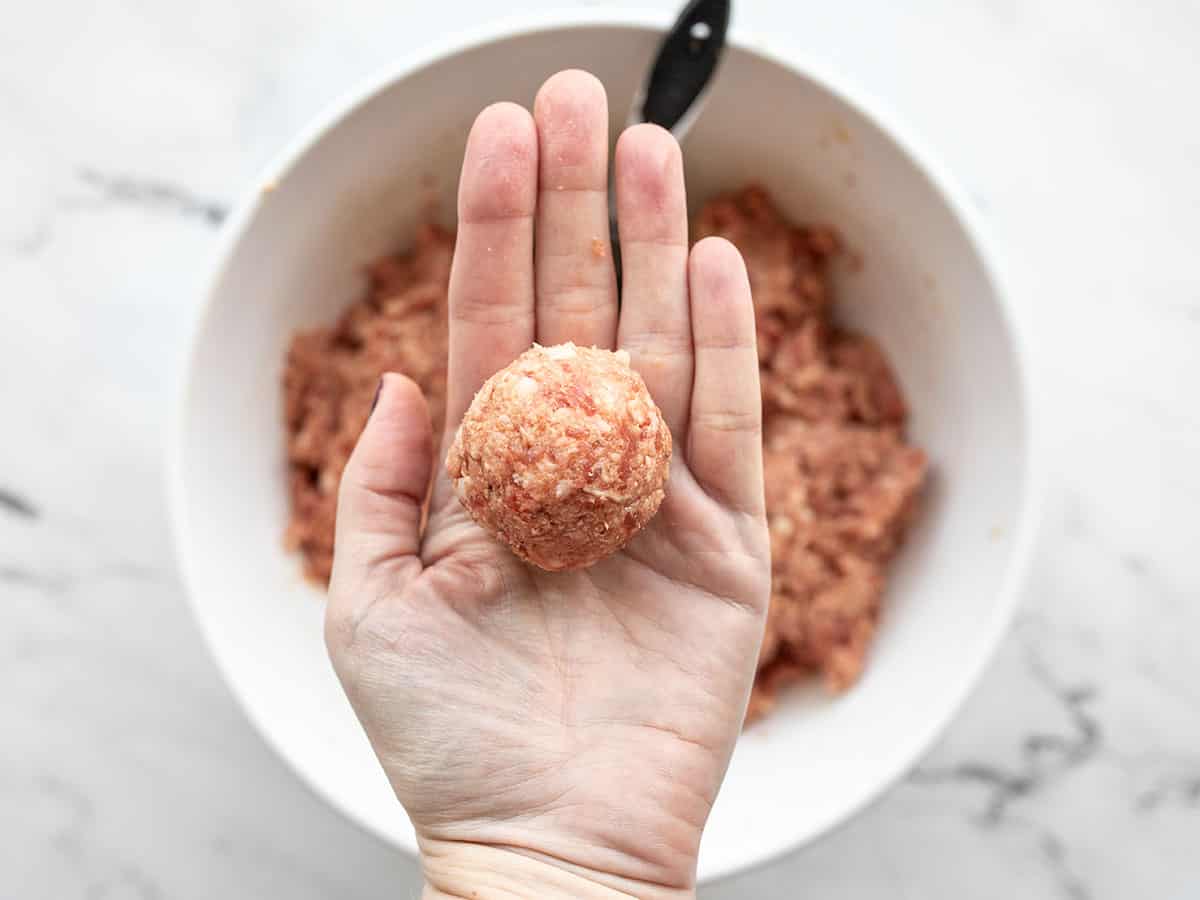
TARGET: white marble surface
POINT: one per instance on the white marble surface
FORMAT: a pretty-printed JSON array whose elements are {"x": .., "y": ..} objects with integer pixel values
[{"x": 126, "y": 130}]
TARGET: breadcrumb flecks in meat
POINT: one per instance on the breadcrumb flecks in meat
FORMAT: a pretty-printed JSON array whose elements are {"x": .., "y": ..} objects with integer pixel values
[{"x": 563, "y": 455}]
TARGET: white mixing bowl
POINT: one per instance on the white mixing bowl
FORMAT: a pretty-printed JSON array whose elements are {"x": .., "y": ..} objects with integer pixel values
[{"x": 356, "y": 185}]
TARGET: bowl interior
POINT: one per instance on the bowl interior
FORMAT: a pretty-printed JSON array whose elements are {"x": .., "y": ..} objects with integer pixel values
[{"x": 359, "y": 190}]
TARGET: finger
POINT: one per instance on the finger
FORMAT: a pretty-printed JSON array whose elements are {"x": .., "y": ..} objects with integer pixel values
[
  {"x": 576, "y": 284},
  {"x": 724, "y": 446},
  {"x": 652, "y": 219},
  {"x": 491, "y": 279},
  {"x": 381, "y": 494}
]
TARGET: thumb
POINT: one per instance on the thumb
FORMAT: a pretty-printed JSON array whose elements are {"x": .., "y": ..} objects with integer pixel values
[{"x": 383, "y": 489}]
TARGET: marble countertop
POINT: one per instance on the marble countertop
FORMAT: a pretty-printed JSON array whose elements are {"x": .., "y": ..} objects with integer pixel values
[{"x": 128, "y": 128}]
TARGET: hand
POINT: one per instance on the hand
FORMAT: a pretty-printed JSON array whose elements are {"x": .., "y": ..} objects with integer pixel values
[{"x": 569, "y": 730}]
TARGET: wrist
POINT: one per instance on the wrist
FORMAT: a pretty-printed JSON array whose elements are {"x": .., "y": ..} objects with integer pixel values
[{"x": 455, "y": 870}]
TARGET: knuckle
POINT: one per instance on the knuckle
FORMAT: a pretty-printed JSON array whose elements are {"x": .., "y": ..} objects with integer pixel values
[
  {"x": 730, "y": 421},
  {"x": 475, "y": 309},
  {"x": 658, "y": 342}
]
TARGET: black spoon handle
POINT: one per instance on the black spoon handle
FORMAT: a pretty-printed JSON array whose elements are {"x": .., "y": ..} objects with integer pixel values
[
  {"x": 683, "y": 69},
  {"x": 685, "y": 64}
]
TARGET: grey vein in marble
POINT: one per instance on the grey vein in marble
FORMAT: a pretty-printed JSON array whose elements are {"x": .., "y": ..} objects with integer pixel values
[
  {"x": 24, "y": 577},
  {"x": 73, "y": 844},
  {"x": 1180, "y": 791},
  {"x": 31, "y": 243},
  {"x": 155, "y": 195},
  {"x": 1054, "y": 855},
  {"x": 1044, "y": 757},
  {"x": 14, "y": 504},
  {"x": 58, "y": 583}
]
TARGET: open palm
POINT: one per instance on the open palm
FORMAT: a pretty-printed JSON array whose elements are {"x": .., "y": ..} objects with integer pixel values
[{"x": 584, "y": 718}]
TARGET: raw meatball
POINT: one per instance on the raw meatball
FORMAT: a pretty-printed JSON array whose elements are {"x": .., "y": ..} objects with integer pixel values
[{"x": 563, "y": 455}]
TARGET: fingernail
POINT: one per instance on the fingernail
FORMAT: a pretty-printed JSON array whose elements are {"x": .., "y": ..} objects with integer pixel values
[{"x": 375, "y": 402}]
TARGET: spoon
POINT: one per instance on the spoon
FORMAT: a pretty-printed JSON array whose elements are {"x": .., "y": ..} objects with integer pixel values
[{"x": 677, "y": 85}]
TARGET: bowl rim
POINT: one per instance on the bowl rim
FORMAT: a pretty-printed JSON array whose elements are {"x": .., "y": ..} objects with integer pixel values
[{"x": 779, "y": 52}]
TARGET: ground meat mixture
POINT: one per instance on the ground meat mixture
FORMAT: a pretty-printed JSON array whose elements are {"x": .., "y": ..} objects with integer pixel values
[
  {"x": 331, "y": 374},
  {"x": 842, "y": 484},
  {"x": 563, "y": 455}
]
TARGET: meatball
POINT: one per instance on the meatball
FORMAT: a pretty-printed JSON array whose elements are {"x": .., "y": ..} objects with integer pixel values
[{"x": 563, "y": 455}]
